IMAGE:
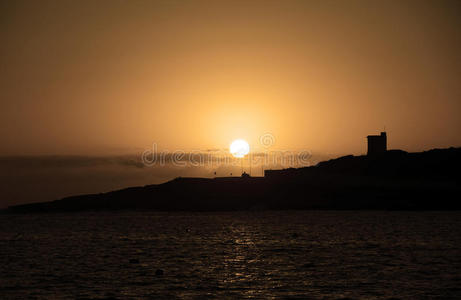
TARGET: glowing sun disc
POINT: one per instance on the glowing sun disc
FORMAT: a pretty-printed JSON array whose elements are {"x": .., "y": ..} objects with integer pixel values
[{"x": 239, "y": 148}]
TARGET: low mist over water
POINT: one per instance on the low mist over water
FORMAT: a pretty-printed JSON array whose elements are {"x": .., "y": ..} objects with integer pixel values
[{"x": 27, "y": 179}]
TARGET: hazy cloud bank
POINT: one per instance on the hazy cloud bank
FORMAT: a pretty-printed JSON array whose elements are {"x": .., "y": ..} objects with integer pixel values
[{"x": 25, "y": 179}]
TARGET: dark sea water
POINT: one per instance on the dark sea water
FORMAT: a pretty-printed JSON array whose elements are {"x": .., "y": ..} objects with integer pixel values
[{"x": 264, "y": 255}]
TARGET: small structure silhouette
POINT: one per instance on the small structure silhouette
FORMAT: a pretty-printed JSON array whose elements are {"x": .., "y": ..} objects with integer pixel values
[
  {"x": 245, "y": 175},
  {"x": 377, "y": 143}
]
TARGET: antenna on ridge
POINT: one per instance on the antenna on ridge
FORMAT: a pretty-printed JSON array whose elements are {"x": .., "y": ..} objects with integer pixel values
[{"x": 249, "y": 157}]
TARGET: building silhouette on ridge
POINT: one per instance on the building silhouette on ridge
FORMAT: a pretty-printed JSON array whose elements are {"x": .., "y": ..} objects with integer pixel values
[{"x": 377, "y": 144}]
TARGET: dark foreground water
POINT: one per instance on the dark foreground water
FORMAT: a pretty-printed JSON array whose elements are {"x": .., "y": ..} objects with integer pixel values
[{"x": 287, "y": 255}]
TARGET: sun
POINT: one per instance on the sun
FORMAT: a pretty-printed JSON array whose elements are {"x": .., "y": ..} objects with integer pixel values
[{"x": 239, "y": 148}]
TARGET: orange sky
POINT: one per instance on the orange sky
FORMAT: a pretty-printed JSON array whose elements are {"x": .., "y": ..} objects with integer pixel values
[{"x": 96, "y": 77}]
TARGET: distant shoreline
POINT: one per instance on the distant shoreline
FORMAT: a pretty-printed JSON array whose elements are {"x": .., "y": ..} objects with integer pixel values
[{"x": 393, "y": 181}]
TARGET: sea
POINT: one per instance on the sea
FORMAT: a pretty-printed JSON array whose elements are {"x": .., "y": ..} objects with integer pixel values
[{"x": 231, "y": 255}]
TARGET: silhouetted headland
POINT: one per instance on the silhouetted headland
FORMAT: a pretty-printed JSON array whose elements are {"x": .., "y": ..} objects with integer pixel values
[{"x": 388, "y": 180}]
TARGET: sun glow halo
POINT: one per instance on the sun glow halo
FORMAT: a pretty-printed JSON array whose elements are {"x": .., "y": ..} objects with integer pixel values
[{"x": 239, "y": 148}]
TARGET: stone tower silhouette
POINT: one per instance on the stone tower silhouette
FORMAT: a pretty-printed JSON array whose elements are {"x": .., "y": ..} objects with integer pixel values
[{"x": 377, "y": 143}]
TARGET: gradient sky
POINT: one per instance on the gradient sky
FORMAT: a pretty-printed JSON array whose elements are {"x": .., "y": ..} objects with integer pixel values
[{"x": 96, "y": 77}]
